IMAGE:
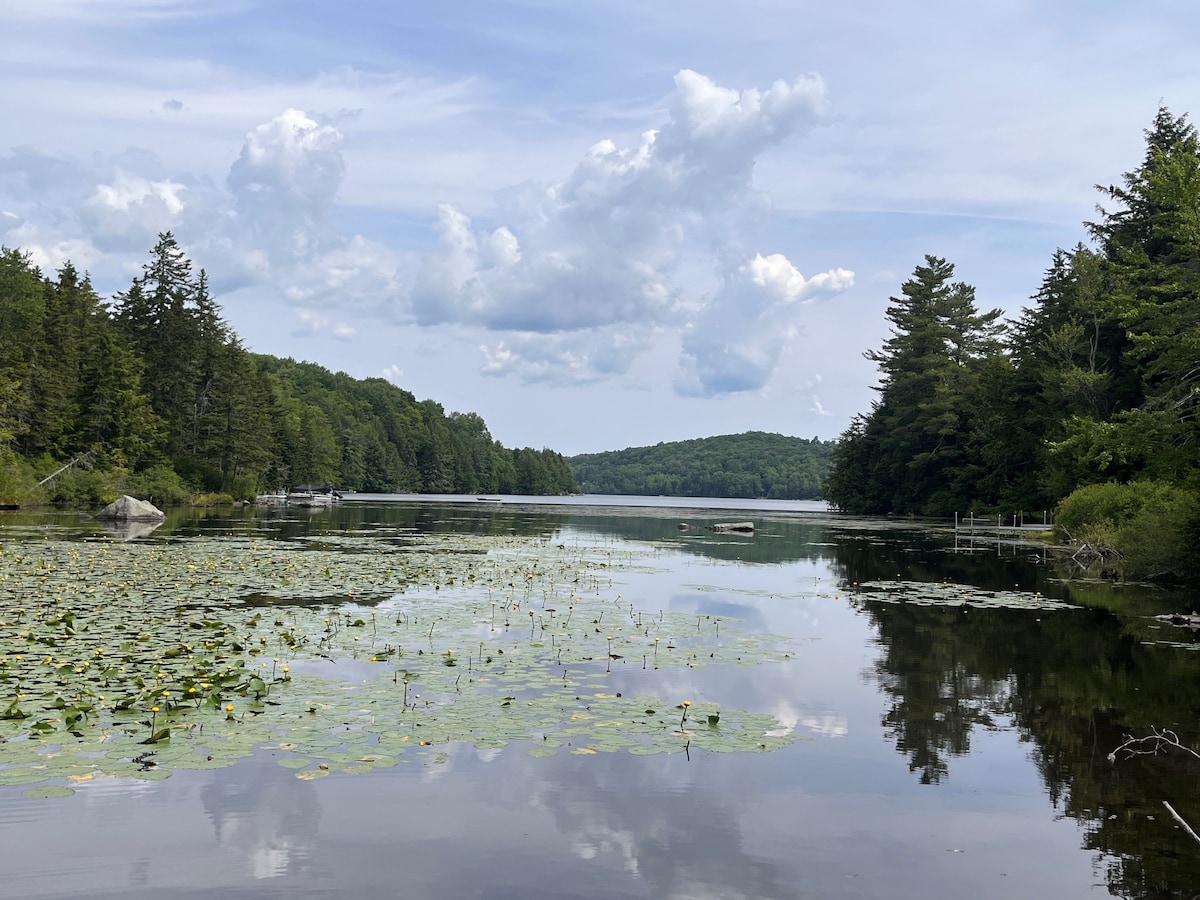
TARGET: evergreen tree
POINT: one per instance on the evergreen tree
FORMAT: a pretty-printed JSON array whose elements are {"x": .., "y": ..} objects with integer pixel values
[
  {"x": 1150, "y": 242},
  {"x": 23, "y": 349},
  {"x": 911, "y": 454}
]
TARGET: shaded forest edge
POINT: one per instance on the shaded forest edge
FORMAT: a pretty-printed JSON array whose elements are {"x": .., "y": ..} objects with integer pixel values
[
  {"x": 152, "y": 394},
  {"x": 751, "y": 465},
  {"x": 1086, "y": 402}
]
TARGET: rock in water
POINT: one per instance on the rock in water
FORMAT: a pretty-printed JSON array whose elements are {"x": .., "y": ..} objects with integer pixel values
[{"x": 131, "y": 509}]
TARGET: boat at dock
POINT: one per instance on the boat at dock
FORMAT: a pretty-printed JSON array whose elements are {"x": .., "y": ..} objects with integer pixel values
[{"x": 307, "y": 496}]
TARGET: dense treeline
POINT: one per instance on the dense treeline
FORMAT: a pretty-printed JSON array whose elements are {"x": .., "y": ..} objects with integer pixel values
[
  {"x": 754, "y": 464},
  {"x": 1098, "y": 381},
  {"x": 153, "y": 393}
]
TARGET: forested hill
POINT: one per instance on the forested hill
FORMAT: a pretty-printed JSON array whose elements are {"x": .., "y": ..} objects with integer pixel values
[
  {"x": 153, "y": 394},
  {"x": 754, "y": 464}
]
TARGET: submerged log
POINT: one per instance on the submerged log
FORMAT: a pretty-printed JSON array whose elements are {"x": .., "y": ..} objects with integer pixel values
[{"x": 736, "y": 527}]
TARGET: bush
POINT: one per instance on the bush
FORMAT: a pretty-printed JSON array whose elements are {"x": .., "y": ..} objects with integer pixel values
[
  {"x": 18, "y": 484},
  {"x": 85, "y": 488},
  {"x": 244, "y": 487},
  {"x": 161, "y": 486},
  {"x": 212, "y": 500},
  {"x": 1155, "y": 526}
]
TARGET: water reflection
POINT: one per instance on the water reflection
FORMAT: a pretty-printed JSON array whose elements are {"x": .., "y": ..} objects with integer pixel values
[
  {"x": 954, "y": 751},
  {"x": 272, "y": 824},
  {"x": 128, "y": 530},
  {"x": 1073, "y": 683}
]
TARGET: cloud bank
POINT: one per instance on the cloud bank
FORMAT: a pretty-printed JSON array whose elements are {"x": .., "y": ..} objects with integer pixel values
[
  {"x": 571, "y": 281},
  {"x": 584, "y": 269}
]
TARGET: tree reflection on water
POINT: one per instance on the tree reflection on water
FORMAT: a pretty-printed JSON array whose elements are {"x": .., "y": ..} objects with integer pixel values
[{"x": 1073, "y": 683}]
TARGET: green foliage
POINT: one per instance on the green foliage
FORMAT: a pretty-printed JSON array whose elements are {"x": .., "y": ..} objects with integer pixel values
[
  {"x": 162, "y": 394},
  {"x": 914, "y": 452},
  {"x": 1154, "y": 525},
  {"x": 85, "y": 488},
  {"x": 754, "y": 464},
  {"x": 18, "y": 484},
  {"x": 160, "y": 485},
  {"x": 1098, "y": 381},
  {"x": 1107, "y": 506}
]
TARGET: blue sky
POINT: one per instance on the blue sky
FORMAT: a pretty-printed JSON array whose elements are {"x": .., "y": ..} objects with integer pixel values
[{"x": 597, "y": 224}]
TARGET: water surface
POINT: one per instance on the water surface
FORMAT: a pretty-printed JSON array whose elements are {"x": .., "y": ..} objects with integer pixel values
[{"x": 945, "y": 751}]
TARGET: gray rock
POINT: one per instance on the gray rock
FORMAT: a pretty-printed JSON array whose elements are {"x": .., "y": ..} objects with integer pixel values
[
  {"x": 734, "y": 527},
  {"x": 131, "y": 509}
]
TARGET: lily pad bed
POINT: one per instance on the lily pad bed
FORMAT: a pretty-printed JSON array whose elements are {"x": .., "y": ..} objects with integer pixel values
[
  {"x": 137, "y": 659},
  {"x": 925, "y": 593}
]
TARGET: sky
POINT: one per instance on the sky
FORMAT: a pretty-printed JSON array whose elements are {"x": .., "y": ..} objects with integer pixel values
[{"x": 596, "y": 224}]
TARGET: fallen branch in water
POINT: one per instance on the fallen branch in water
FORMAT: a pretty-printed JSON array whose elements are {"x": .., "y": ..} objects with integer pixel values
[
  {"x": 1151, "y": 745},
  {"x": 1089, "y": 553},
  {"x": 1179, "y": 819}
]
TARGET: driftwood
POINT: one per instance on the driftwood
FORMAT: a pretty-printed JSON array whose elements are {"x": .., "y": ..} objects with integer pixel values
[
  {"x": 734, "y": 527},
  {"x": 1090, "y": 553}
]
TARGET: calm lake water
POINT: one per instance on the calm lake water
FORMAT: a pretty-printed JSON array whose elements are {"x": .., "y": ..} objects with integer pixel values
[{"x": 944, "y": 752}]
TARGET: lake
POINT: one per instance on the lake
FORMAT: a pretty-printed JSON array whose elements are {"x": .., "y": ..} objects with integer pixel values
[{"x": 580, "y": 698}]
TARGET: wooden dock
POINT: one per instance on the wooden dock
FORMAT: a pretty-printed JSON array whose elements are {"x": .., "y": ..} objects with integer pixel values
[
  {"x": 975, "y": 534},
  {"x": 1016, "y": 523}
]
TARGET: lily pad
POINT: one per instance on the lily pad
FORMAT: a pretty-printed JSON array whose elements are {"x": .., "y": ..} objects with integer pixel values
[
  {"x": 192, "y": 655},
  {"x": 927, "y": 593},
  {"x": 49, "y": 791}
]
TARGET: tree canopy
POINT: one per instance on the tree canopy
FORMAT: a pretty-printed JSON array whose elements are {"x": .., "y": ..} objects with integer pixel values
[
  {"x": 754, "y": 464},
  {"x": 1097, "y": 381},
  {"x": 157, "y": 390}
]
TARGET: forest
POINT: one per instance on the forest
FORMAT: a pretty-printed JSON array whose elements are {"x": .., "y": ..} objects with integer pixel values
[
  {"x": 153, "y": 394},
  {"x": 1086, "y": 403},
  {"x": 754, "y": 464}
]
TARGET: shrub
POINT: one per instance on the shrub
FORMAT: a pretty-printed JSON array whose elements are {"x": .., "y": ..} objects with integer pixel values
[
  {"x": 211, "y": 500},
  {"x": 84, "y": 488},
  {"x": 18, "y": 484},
  {"x": 161, "y": 486},
  {"x": 1155, "y": 526}
]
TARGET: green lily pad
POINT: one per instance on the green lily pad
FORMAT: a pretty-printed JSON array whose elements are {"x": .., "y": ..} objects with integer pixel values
[
  {"x": 192, "y": 655},
  {"x": 49, "y": 791}
]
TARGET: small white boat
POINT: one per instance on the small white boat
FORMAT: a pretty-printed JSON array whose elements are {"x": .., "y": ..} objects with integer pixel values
[{"x": 307, "y": 496}]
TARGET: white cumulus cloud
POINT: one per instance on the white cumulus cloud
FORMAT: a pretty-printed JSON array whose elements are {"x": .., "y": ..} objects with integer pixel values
[
  {"x": 285, "y": 180},
  {"x": 782, "y": 280},
  {"x": 313, "y": 324},
  {"x": 736, "y": 340},
  {"x": 571, "y": 280},
  {"x": 577, "y": 270},
  {"x": 127, "y": 211},
  {"x": 570, "y": 358}
]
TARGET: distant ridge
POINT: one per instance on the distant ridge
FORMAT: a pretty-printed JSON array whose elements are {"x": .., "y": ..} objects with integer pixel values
[{"x": 750, "y": 465}]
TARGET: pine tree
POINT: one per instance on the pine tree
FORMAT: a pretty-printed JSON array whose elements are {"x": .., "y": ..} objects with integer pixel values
[
  {"x": 1150, "y": 244},
  {"x": 158, "y": 313},
  {"x": 910, "y": 453}
]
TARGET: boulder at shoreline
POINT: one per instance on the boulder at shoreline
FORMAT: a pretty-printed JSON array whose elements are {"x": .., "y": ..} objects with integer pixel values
[{"x": 131, "y": 509}]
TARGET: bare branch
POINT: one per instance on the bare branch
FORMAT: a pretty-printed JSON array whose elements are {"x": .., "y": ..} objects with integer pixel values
[{"x": 1158, "y": 741}]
